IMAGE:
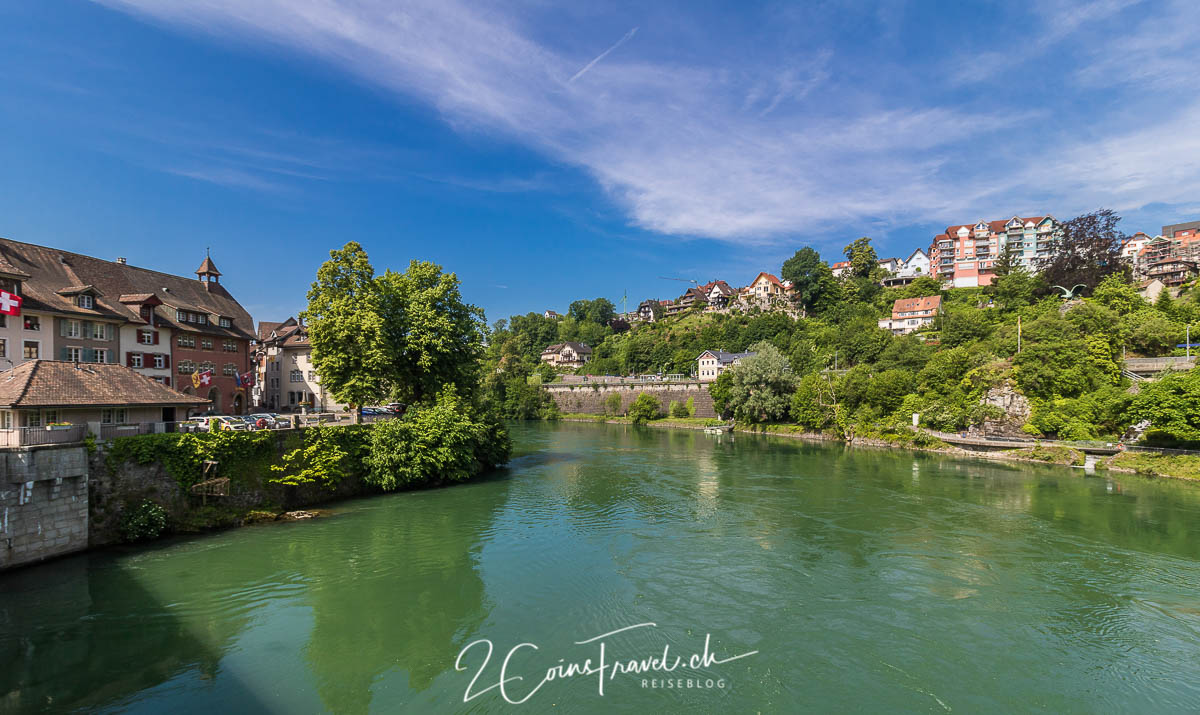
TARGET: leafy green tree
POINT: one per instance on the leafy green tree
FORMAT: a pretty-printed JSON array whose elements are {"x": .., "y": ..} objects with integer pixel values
[
  {"x": 888, "y": 389},
  {"x": 1016, "y": 289},
  {"x": 762, "y": 385},
  {"x": 863, "y": 259},
  {"x": 1172, "y": 405},
  {"x": 812, "y": 280},
  {"x": 612, "y": 404},
  {"x": 678, "y": 409},
  {"x": 1118, "y": 294},
  {"x": 346, "y": 328},
  {"x": 644, "y": 408},
  {"x": 1008, "y": 262},
  {"x": 961, "y": 326},
  {"x": 1151, "y": 333},
  {"x": 431, "y": 336},
  {"x": 813, "y": 402},
  {"x": 719, "y": 391},
  {"x": 443, "y": 441}
]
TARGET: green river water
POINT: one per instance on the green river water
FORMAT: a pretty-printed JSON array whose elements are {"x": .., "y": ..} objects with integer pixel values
[{"x": 865, "y": 580}]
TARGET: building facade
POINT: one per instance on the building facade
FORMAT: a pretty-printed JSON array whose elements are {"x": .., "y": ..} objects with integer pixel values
[
  {"x": 711, "y": 363},
  {"x": 286, "y": 378},
  {"x": 84, "y": 309},
  {"x": 910, "y": 314},
  {"x": 965, "y": 255},
  {"x": 567, "y": 355}
]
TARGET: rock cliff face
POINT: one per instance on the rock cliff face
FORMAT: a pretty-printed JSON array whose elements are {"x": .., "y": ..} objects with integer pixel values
[{"x": 1012, "y": 408}]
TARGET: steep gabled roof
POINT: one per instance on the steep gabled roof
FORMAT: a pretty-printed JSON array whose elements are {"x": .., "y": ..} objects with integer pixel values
[{"x": 50, "y": 269}]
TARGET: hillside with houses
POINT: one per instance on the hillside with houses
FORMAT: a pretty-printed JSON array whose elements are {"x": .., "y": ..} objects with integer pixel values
[{"x": 1027, "y": 326}]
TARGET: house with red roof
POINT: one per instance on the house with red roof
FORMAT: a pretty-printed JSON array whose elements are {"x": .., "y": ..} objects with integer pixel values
[{"x": 909, "y": 314}]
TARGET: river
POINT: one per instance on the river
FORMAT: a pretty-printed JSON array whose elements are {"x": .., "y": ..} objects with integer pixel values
[{"x": 855, "y": 579}]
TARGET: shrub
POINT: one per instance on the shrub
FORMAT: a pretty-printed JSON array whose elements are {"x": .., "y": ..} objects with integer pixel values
[
  {"x": 644, "y": 408},
  {"x": 612, "y": 404},
  {"x": 143, "y": 522},
  {"x": 690, "y": 406},
  {"x": 679, "y": 409}
]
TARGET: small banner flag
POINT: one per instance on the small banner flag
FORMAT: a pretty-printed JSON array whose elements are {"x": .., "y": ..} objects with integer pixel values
[
  {"x": 10, "y": 304},
  {"x": 196, "y": 380}
]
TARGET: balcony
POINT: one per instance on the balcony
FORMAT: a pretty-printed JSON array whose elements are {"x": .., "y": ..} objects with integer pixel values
[{"x": 33, "y": 436}]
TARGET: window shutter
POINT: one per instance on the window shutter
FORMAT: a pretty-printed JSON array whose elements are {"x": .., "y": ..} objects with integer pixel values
[
  {"x": 85, "y": 329},
  {"x": 62, "y": 328},
  {"x": 109, "y": 330},
  {"x": 89, "y": 355},
  {"x": 128, "y": 359},
  {"x": 156, "y": 337},
  {"x": 62, "y": 354},
  {"x": 167, "y": 361}
]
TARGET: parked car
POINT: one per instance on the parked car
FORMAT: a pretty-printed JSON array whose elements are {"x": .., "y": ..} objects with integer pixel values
[
  {"x": 271, "y": 420},
  {"x": 225, "y": 422},
  {"x": 194, "y": 424}
]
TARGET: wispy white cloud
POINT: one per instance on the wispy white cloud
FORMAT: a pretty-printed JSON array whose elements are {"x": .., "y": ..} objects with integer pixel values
[{"x": 741, "y": 152}]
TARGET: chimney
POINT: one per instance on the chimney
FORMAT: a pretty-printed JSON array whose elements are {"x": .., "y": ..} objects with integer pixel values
[{"x": 120, "y": 260}]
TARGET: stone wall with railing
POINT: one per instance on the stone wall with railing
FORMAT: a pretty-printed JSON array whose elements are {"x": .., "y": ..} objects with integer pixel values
[{"x": 591, "y": 397}]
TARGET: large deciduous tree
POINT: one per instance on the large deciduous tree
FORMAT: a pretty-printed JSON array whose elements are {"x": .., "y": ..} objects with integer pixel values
[
  {"x": 431, "y": 337},
  {"x": 403, "y": 336},
  {"x": 762, "y": 385},
  {"x": 811, "y": 279},
  {"x": 346, "y": 330},
  {"x": 1087, "y": 249}
]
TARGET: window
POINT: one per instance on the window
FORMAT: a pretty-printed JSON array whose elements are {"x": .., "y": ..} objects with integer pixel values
[
  {"x": 146, "y": 337},
  {"x": 71, "y": 328},
  {"x": 181, "y": 316},
  {"x": 101, "y": 331},
  {"x": 32, "y": 349},
  {"x": 312, "y": 376},
  {"x": 118, "y": 415},
  {"x": 101, "y": 355},
  {"x": 274, "y": 383},
  {"x": 186, "y": 367},
  {"x": 50, "y": 416},
  {"x": 207, "y": 365},
  {"x": 229, "y": 346},
  {"x": 297, "y": 376},
  {"x": 3, "y": 347},
  {"x": 135, "y": 360},
  {"x": 187, "y": 341},
  {"x": 160, "y": 361},
  {"x": 6, "y": 420},
  {"x": 32, "y": 418},
  {"x": 291, "y": 398},
  {"x": 84, "y": 301},
  {"x": 74, "y": 354},
  {"x": 229, "y": 369},
  {"x": 206, "y": 344},
  {"x": 226, "y": 323},
  {"x": 202, "y": 319}
]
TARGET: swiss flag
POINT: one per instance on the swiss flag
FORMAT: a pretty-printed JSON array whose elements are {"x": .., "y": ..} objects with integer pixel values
[
  {"x": 10, "y": 304},
  {"x": 206, "y": 378}
]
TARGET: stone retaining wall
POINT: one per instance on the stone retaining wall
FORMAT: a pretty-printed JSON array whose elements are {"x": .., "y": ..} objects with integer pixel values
[
  {"x": 589, "y": 399},
  {"x": 43, "y": 503}
]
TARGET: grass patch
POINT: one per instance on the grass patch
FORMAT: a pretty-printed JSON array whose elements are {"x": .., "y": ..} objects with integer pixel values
[
  {"x": 1051, "y": 454},
  {"x": 1179, "y": 466}
]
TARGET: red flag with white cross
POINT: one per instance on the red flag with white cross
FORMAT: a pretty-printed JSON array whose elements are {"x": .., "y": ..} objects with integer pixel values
[{"x": 10, "y": 304}]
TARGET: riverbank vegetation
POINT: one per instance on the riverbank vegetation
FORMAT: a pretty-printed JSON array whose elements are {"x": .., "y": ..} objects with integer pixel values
[{"x": 1016, "y": 355}]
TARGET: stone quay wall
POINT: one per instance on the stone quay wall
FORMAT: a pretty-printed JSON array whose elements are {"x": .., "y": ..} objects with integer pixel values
[
  {"x": 43, "y": 502},
  {"x": 590, "y": 399}
]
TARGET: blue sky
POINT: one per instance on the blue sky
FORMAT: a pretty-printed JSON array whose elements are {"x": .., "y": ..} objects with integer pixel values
[{"x": 553, "y": 151}]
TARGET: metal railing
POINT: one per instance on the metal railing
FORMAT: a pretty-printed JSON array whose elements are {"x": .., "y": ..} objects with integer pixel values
[{"x": 32, "y": 436}]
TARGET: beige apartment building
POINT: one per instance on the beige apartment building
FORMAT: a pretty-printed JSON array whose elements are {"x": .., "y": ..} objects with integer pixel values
[{"x": 286, "y": 378}]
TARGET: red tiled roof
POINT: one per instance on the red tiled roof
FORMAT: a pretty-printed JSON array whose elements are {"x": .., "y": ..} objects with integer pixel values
[
  {"x": 931, "y": 303},
  {"x": 55, "y": 383}
]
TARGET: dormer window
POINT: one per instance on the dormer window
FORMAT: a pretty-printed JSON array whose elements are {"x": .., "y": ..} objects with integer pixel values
[
  {"x": 83, "y": 300},
  {"x": 226, "y": 323}
]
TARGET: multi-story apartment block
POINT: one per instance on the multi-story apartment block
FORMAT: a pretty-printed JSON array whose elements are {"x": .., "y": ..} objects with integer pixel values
[
  {"x": 287, "y": 379},
  {"x": 965, "y": 255},
  {"x": 84, "y": 309}
]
